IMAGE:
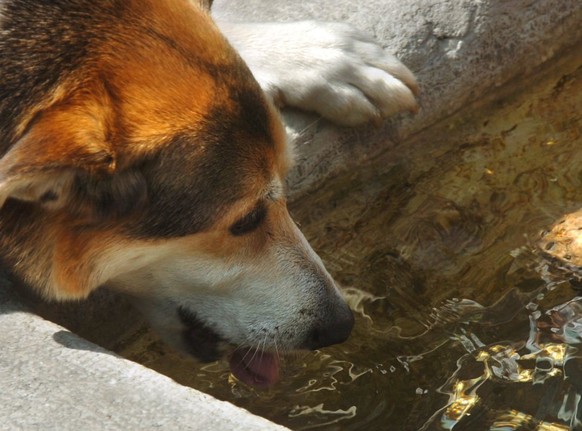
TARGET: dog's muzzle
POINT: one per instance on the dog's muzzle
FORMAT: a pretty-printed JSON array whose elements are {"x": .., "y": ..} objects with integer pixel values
[{"x": 253, "y": 365}]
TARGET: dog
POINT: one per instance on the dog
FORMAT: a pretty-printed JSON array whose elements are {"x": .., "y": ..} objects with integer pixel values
[{"x": 142, "y": 149}]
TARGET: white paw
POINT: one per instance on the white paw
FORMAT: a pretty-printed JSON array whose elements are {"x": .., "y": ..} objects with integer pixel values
[{"x": 330, "y": 68}]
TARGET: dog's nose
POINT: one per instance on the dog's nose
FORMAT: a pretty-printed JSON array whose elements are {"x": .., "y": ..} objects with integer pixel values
[{"x": 332, "y": 331}]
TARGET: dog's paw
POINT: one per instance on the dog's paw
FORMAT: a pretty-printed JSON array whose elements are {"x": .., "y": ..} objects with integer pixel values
[
  {"x": 330, "y": 68},
  {"x": 340, "y": 73}
]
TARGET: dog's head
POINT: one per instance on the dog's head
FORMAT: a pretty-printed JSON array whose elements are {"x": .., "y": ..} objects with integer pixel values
[{"x": 158, "y": 168}]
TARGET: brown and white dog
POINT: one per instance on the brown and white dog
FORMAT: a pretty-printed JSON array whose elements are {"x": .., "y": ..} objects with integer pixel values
[{"x": 138, "y": 151}]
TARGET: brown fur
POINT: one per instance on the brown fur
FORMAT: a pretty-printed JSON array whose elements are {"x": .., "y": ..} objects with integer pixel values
[
  {"x": 139, "y": 152},
  {"x": 160, "y": 82}
]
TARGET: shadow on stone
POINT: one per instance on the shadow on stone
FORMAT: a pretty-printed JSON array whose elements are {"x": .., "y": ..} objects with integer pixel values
[{"x": 71, "y": 341}]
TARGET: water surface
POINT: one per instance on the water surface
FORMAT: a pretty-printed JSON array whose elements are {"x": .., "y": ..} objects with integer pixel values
[{"x": 461, "y": 322}]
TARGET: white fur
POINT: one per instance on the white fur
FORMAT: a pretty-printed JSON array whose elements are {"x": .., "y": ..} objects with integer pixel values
[
  {"x": 271, "y": 301},
  {"x": 330, "y": 68}
]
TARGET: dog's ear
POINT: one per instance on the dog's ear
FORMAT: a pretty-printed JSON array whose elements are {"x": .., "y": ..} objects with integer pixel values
[{"x": 60, "y": 144}]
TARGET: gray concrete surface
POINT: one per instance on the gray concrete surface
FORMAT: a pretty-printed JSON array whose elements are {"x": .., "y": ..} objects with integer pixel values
[
  {"x": 461, "y": 51},
  {"x": 51, "y": 379}
]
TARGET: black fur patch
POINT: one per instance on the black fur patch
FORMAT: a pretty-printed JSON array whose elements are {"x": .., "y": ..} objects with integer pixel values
[
  {"x": 49, "y": 196},
  {"x": 41, "y": 43},
  {"x": 189, "y": 188},
  {"x": 109, "y": 197},
  {"x": 201, "y": 341}
]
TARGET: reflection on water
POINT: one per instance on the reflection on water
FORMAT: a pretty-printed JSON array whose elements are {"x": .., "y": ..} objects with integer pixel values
[
  {"x": 548, "y": 358},
  {"x": 463, "y": 321}
]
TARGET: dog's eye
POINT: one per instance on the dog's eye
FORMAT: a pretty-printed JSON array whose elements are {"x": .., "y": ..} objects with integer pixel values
[{"x": 249, "y": 222}]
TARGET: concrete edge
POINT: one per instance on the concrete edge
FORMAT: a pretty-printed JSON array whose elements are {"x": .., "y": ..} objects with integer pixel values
[{"x": 54, "y": 380}]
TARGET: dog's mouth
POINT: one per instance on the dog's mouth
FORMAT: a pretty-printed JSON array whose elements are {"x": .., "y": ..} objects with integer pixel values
[
  {"x": 251, "y": 365},
  {"x": 255, "y": 367}
]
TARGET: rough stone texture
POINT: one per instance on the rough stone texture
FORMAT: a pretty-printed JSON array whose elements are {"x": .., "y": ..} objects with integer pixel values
[
  {"x": 52, "y": 379},
  {"x": 459, "y": 50}
]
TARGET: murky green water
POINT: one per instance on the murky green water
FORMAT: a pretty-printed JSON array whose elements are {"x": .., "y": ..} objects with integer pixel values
[{"x": 461, "y": 324}]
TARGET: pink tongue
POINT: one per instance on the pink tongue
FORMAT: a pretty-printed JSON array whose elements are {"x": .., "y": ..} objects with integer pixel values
[{"x": 255, "y": 368}]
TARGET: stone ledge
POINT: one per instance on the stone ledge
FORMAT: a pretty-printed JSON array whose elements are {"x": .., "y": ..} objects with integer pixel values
[
  {"x": 461, "y": 52},
  {"x": 55, "y": 380}
]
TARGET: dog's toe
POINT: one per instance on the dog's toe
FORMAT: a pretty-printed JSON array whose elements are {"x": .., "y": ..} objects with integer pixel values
[
  {"x": 374, "y": 75},
  {"x": 388, "y": 93}
]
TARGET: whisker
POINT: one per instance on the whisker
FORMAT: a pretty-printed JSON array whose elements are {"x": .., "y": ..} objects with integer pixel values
[
  {"x": 308, "y": 126},
  {"x": 263, "y": 344},
  {"x": 242, "y": 361},
  {"x": 275, "y": 342},
  {"x": 256, "y": 351}
]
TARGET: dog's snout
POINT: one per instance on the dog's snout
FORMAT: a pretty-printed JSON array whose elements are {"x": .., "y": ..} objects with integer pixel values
[{"x": 332, "y": 331}]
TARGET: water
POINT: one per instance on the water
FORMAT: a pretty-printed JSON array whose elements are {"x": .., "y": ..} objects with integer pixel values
[{"x": 462, "y": 322}]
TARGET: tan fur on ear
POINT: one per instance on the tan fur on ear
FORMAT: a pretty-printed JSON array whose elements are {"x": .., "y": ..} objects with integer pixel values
[{"x": 60, "y": 142}]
